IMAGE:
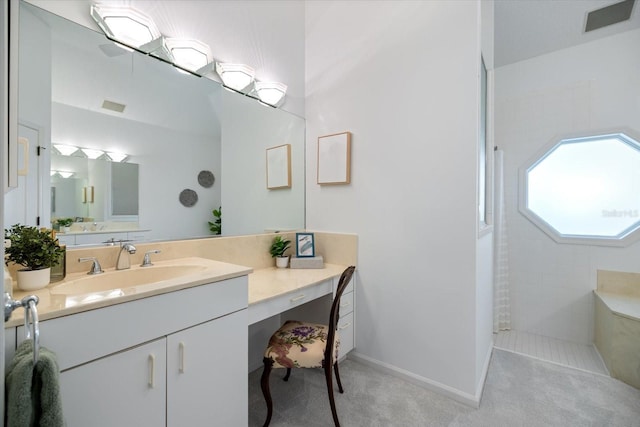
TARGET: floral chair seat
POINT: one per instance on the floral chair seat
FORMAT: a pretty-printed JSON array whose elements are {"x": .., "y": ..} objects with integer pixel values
[{"x": 299, "y": 345}]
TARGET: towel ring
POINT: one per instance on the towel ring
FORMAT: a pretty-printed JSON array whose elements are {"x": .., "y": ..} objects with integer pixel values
[
  {"x": 30, "y": 311},
  {"x": 29, "y": 303}
]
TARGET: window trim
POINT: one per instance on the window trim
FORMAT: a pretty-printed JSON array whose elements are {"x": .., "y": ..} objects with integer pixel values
[{"x": 625, "y": 238}]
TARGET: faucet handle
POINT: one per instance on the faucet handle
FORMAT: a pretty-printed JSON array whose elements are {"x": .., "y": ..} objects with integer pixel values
[
  {"x": 95, "y": 267},
  {"x": 146, "y": 261}
]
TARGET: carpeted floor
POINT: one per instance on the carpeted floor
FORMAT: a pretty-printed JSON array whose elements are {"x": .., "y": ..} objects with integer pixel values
[{"x": 519, "y": 391}]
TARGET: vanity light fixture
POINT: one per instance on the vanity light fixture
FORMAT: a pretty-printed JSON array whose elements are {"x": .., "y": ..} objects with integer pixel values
[
  {"x": 64, "y": 174},
  {"x": 125, "y": 25},
  {"x": 190, "y": 54},
  {"x": 65, "y": 150},
  {"x": 270, "y": 93},
  {"x": 116, "y": 157},
  {"x": 92, "y": 153},
  {"x": 235, "y": 76}
]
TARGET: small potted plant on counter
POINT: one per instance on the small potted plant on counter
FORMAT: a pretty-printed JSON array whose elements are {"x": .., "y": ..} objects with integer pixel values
[
  {"x": 64, "y": 224},
  {"x": 36, "y": 250},
  {"x": 278, "y": 248}
]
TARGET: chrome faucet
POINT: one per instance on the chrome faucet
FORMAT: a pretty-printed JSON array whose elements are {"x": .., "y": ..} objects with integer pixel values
[
  {"x": 95, "y": 266},
  {"x": 124, "y": 262},
  {"x": 146, "y": 261}
]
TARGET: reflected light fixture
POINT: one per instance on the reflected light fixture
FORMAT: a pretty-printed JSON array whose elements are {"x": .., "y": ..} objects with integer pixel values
[
  {"x": 64, "y": 174},
  {"x": 116, "y": 157},
  {"x": 271, "y": 93},
  {"x": 65, "y": 150},
  {"x": 235, "y": 76},
  {"x": 189, "y": 54},
  {"x": 125, "y": 24},
  {"x": 91, "y": 153}
]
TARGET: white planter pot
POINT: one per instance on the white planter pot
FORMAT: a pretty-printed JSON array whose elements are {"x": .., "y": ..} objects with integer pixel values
[
  {"x": 32, "y": 280},
  {"x": 282, "y": 261},
  {"x": 66, "y": 229}
]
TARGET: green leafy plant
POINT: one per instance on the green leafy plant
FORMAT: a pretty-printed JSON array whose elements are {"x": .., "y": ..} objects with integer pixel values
[
  {"x": 32, "y": 248},
  {"x": 64, "y": 222},
  {"x": 279, "y": 246},
  {"x": 216, "y": 226}
]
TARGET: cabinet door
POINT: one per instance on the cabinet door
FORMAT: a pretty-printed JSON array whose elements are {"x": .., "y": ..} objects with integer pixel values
[
  {"x": 207, "y": 374},
  {"x": 125, "y": 389}
]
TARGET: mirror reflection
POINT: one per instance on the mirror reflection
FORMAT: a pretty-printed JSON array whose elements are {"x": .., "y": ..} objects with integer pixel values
[{"x": 78, "y": 88}]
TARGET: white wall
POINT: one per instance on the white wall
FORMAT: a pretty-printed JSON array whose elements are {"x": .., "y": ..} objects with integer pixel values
[
  {"x": 403, "y": 78},
  {"x": 590, "y": 87}
]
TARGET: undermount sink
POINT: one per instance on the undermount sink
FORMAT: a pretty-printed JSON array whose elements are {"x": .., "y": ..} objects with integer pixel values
[{"x": 121, "y": 279}]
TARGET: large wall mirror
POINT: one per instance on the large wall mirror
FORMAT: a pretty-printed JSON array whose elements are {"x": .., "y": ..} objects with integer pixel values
[{"x": 77, "y": 88}]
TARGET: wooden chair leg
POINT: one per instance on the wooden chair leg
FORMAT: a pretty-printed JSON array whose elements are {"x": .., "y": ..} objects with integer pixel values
[
  {"x": 286, "y": 377},
  {"x": 264, "y": 383},
  {"x": 328, "y": 375},
  {"x": 335, "y": 368}
]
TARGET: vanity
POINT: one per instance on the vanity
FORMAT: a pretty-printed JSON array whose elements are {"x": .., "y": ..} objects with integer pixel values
[
  {"x": 161, "y": 344},
  {"x": 160, "y": 353}
]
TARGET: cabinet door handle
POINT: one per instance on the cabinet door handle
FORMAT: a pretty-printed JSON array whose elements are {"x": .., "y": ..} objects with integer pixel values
[
  {"x": 152, "y": 370},
  {"x": 298, "y": 298},
  {"x": 345, "y": 304},
  {"x": 182, "y": 364},
  {"x": 345, "y": 326}
]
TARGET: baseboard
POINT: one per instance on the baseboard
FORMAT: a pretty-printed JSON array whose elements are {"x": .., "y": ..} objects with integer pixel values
[{"x": 455, "y": 394}]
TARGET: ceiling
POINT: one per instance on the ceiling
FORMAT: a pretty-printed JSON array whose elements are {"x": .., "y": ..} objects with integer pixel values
[
  {"x": 269, "y": 34},
  {"x": 528, "y": 28}
]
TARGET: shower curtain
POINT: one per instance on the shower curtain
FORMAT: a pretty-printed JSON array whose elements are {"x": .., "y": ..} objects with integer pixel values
[{"x": 501, "y": 303}]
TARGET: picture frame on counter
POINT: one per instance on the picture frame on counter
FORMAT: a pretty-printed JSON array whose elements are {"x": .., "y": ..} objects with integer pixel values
[{"x": 305, "y": 245}]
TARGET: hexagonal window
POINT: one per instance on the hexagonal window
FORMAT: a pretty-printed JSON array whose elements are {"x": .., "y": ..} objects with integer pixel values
[{"x": 585, "y": 190}]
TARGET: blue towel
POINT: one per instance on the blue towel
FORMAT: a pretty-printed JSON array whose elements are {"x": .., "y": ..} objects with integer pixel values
[{"x": 33, "y": 393}]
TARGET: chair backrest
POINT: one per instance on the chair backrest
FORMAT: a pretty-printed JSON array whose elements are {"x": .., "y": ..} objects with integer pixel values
[{"x": 345, "y": 278}]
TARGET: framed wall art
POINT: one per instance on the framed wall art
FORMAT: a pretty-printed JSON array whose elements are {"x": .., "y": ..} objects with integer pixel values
[
  {"x": 334, "y": 159},
  {"x": 279, "y": 167}
]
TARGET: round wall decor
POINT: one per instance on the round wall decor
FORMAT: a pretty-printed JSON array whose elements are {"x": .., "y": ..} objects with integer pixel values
[
  {"x": 206, "y": 179},
  {"x": 188, "y": 197}
]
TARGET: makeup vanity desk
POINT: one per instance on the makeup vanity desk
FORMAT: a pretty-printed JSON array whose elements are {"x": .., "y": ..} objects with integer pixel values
[{"x": 273, "y": 291}]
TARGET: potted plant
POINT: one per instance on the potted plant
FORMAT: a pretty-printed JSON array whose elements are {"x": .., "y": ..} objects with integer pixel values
[
  {"x": 216, "y": 226},
  {"x": 278, "y": 248},
  {"x": 65, "y": 224},
  {"x": 36, "y": 250}
]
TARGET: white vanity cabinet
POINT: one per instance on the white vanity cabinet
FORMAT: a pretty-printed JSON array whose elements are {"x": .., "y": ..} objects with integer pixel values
[
  {"x": 173, "y": 359},
  {"x": 127, "y": 388},
  {"x": 205, "y": 385}
]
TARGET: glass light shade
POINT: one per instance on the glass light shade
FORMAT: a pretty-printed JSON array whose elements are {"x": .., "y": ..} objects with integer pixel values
[
  {"x": 53, "y": 172},
  {"x": 270, "y": 92},
  {"x": 125, "y": 24},
  {"x": 235, "y": 76},
  {"x": 65, "y": 150},
  {"x": 117, "y": 157},
  {"x": 65, "y": 174},
  {"x": 189, "y": 54},
  {"x": 91, "y": 153}
]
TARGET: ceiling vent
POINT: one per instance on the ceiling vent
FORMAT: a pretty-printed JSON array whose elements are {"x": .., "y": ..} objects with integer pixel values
[
  {"x": 609, "y": 15},
  {"x": 113, "y": 106}
]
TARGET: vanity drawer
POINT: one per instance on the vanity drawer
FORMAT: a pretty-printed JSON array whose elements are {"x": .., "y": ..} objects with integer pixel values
[
  {"x": 288, "y": 301},
  {"x": 346, "y": 304},
  {"x": 346, "y": 333}
]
